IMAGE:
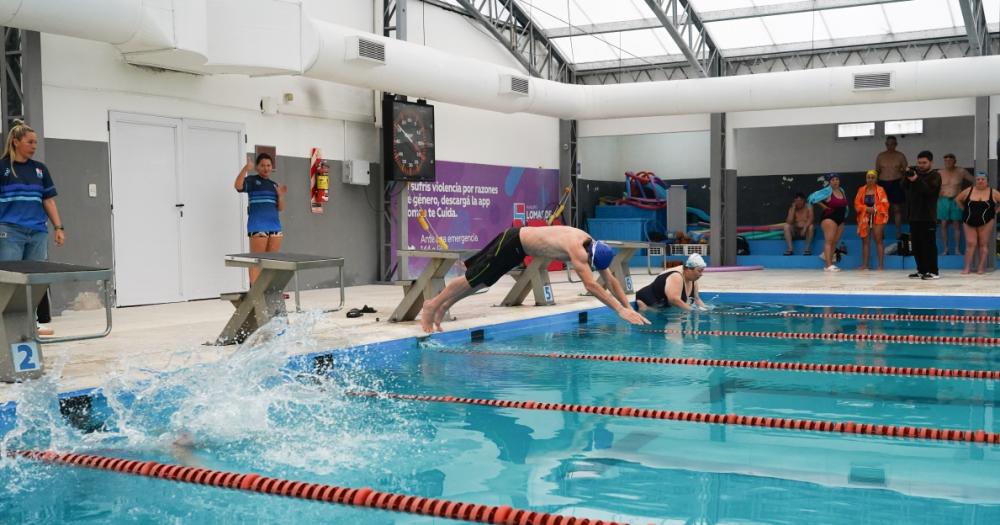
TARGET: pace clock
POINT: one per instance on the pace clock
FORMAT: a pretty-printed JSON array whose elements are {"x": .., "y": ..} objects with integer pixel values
[{"x": 408, "y": 140}]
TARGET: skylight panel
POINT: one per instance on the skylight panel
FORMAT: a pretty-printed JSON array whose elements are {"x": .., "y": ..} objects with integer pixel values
[
  {"x": 856, "y": 21},
  {"x": 733, "y": 34}
]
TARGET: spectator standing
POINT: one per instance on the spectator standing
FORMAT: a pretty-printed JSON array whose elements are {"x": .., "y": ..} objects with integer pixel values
[
  {"x": 980, "y": 215},
  {"x": 890, "y": 165},
  {"x": 922, "y": 186},
  {"x": 266, "y": 198},
  {"x": 27, "y": 199},
  {"x": 952, "y": 180},
  {"x": 872, "y": 207}
]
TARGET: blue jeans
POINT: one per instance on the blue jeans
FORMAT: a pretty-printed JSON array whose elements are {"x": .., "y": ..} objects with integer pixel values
[{"x": 21, "y": 244}]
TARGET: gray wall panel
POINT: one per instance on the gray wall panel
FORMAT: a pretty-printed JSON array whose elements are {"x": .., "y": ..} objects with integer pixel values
[
  {"x": 348, "y": 228},
  {"x": 74, "y": 165}
]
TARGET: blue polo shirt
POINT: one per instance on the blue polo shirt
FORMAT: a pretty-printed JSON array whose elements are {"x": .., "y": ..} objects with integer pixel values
[
  {"x": 22, "y": 191},
  {"x": 262, "y": 211}
]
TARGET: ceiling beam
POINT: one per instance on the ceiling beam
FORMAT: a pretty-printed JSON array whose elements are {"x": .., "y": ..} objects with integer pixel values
[
  {"x": 686, "y": 29},
  {"x": 975, "y": 26},
  {"x": 519, "y": 34},
  {"x": 714, "y": 16},
  {"x": 819, "y": 46}
]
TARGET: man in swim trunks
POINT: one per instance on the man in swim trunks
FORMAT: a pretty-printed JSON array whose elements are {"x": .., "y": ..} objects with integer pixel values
[
  {"x": 507, "y": 251},
  {"x": 952, "y": 180},
  {"x": 799, "y": 224},
  {"x": 890, "y": 165},
  {"x": 674, "y": 288}
]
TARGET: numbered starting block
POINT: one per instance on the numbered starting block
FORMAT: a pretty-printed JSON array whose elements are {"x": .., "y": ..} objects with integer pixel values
[
  {"x": 624, "y": 250},
  {"x": 534, "y": 279},
  {"x": 22, "y": 286}
]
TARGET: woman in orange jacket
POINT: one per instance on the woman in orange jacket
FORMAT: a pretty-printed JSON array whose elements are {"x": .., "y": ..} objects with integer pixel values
[{"x": 872, "y": 205}]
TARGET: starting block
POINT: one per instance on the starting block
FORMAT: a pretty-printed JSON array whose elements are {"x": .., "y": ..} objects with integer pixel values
[
  {"x": 266, "y": 299},
  {"x": 22, "y": 286},
  {"x": 535, "y": 279}
]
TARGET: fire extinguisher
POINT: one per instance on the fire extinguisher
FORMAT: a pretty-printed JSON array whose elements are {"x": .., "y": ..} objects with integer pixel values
[{"x": 321, "y": 188}]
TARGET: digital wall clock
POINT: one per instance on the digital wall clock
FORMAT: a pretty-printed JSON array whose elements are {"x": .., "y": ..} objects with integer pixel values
[{"x": 408, "y": 139}]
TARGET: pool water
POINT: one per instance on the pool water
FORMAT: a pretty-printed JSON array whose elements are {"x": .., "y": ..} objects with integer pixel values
[{"x": 250, "y": 413}]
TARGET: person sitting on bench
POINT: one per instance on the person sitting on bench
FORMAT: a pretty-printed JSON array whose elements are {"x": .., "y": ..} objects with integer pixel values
[{"x": 507, "y": 251}]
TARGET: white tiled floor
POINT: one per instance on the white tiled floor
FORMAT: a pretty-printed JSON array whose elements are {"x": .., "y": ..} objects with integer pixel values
[{"x": 170, "y": 336}]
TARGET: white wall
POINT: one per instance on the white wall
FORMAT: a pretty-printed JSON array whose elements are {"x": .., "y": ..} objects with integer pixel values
[
  {"x": 792, "y": 150},
  {"x": 642, "y": 125},
  {"x": 83, "y": 80},
  {"x": 994, "y": 124},
  {"x": 678, "y": 155}
]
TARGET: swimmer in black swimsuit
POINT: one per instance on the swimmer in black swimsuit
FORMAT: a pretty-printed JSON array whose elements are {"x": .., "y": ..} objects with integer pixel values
[
  {"x": 674, "y": 287},
  {"x": 980, "y": 210}
]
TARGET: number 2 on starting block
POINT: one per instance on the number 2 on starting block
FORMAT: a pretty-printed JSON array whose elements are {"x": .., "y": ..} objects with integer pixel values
[
  {"x": 547, "y": 291},
  {"x": 24, "y": 355}
]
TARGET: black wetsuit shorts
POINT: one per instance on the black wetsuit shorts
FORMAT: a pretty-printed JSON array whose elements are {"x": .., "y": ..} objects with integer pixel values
[{"x": 501, "y": 255}]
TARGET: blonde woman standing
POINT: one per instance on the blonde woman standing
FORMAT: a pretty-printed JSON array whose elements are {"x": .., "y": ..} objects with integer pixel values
[{"x": 27, "y": 200}]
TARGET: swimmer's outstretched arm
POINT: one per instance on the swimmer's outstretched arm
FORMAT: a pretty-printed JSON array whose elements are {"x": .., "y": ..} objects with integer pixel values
[{"x": 621, "y": 306}]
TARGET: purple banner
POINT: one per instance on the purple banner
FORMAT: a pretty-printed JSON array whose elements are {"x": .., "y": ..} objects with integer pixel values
[{"x": 469, "y": 204}]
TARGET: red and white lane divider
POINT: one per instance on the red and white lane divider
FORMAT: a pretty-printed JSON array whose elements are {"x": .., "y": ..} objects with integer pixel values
[
  {"x": 877, "y": 338},
  {"x": 764, "y": 365},
  {"x": 986, "y": 319},
  {"x": 843, "y": 427},
  {"x": 357, "y": 497}
]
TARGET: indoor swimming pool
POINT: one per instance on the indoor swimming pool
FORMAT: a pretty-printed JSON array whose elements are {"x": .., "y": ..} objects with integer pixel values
[{"x": 331, "y": 418}]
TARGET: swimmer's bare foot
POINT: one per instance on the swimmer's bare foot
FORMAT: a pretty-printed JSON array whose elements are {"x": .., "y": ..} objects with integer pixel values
[
  {"x": 965, "y": 272},
  {"x": 863, "y": 268},
  {"x": 427, "y": 318},
  {"x": 438, "y": 317}
]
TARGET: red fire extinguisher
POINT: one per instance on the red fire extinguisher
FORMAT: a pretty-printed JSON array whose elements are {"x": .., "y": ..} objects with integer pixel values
[
  {"x": 319, "y": 176},
  {"x": 321, "y": 189}
]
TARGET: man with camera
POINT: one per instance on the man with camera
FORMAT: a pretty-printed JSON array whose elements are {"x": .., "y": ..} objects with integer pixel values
[{"x": 922, "y": 186}]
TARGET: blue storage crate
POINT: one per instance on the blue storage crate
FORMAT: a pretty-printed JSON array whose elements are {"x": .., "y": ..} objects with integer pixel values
[{"x": 617, "y": 229}]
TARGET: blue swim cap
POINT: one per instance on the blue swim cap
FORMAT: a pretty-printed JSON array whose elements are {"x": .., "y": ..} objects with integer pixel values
[
  {"x": 830, "y": 176},
  {"x": 601, "y": 255}
]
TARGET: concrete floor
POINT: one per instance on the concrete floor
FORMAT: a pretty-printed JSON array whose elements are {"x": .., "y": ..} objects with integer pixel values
[{"x": 172, "y": 336}]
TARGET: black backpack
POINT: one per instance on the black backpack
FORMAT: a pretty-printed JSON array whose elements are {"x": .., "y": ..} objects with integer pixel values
[{"x": 742, "y": 246}]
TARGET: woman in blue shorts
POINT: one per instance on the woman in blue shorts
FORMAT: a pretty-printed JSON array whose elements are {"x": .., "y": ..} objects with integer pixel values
[{"x": 265, "y": 199}]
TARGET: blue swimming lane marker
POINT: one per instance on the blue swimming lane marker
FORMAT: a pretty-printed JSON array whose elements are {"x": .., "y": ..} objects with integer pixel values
[
  {"x": 628, "y": 284},
  {"x": 25, "y": 357},
  {"x": 547, "y": 290}
]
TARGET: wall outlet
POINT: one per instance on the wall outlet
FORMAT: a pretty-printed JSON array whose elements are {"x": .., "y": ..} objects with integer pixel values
[{"x": 92, "y": 190}]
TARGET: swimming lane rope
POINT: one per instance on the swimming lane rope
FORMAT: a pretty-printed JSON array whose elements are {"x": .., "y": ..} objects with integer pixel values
[
  {"x": 985, "y": 319},
  {"x": 764, "y": 365},
  {"x": 834, "y": 427},
  {"x": 877, "y": 338},
  {"x": 356, "y": 497}
]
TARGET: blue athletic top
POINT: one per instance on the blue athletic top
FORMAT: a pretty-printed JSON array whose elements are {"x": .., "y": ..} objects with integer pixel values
[
  {"x": 21, "y": 193},
  {"x": 262, "y": 212}
]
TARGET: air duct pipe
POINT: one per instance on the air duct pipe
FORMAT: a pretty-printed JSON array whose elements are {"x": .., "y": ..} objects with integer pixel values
[{"x": 423, "y": 72}]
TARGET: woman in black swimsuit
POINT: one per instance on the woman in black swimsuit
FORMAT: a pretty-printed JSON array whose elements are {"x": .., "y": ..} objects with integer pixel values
[
  {"x": 832, "y": 223},
  {"x": 979, "y": 205},
  {"x": 674, "y": 287}
]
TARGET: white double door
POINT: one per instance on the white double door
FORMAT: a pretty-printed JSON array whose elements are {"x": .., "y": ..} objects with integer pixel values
[{"x": 175, "y": 211}]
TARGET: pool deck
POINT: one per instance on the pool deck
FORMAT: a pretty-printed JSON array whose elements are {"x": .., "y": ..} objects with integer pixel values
[{"x": 171, "y": 336}]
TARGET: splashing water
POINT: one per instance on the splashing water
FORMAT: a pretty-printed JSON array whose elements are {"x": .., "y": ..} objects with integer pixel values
[{"x": 248, "y": 408}]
